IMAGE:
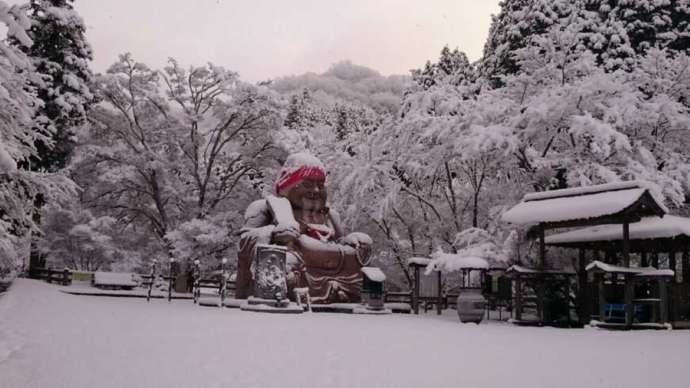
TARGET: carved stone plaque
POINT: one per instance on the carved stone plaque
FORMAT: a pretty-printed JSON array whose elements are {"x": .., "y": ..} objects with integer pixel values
[{"x": 270, "y": 274}]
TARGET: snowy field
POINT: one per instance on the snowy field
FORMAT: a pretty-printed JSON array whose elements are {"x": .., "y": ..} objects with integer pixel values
[{"x": 51, "y": 339}]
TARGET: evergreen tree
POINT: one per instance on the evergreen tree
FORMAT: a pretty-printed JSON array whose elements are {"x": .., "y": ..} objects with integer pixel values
[
  {"x": 60, "y": 54},
  {"x": 301, "y": 113},
  {"x": 512, "y": 29},
  {"x": 452, "y": 67},
  {"x": 618, "y": 32}
]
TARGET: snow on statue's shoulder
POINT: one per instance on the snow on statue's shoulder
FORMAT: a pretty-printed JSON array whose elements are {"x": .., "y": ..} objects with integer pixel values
[{"x": 282, "y": 211}]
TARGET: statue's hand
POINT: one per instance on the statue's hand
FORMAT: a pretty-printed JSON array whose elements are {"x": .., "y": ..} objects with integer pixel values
[
  {"x": 285, "y": 234},
  {"x": 362, "y": 243}
]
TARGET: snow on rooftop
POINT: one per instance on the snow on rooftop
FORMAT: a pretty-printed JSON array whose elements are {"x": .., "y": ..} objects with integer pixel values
[
  {"x": 584, "y": 190},
  {"x": 640, "y": 271},
  {"x": 449, "y": 262},
  {"x": 573, "y": 208},
  {"x": 648, "y": 228},
  {"x": 526, "y": 270},
  {"x": 374, "y": 274}
]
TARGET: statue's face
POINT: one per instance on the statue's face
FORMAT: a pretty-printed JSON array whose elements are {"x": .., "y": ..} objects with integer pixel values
[{"x": 309, "y": 194}]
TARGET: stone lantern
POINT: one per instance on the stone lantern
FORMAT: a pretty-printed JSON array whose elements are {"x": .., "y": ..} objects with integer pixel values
[{"x": 373, "y": 288}]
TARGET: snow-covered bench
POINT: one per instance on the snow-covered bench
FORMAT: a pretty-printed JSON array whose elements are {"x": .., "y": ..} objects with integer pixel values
[{"x": 114, "y": 280}]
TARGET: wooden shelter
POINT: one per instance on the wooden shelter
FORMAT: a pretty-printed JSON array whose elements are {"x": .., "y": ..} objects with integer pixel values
[
  {"x": 620, "y": 204},
  {"x": 666, "y": 292}
]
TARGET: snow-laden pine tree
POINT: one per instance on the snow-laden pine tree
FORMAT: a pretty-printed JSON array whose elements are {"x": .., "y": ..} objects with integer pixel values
[
  {"x": 61, "y": 55},
  {"x": 616, "y": 31},
  {"x": 18, "y": 136},
  {"x": 571, "y": 114},
  {"x": 513, "y": 28},
  {"x": 452, "y": 67}
]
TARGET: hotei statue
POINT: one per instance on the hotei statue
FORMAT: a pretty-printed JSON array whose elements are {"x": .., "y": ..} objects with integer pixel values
[{"x": 319, "y": 256}]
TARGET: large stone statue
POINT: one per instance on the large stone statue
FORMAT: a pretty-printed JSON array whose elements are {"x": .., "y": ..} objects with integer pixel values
[{"x": 319, "y": 256}]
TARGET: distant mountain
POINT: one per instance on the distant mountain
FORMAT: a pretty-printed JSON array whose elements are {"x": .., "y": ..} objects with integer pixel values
[{"x": 347, "y": 82}]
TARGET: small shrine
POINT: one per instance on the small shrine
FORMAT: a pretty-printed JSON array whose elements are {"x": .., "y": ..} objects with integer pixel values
[{"x": 619, "y": 206}]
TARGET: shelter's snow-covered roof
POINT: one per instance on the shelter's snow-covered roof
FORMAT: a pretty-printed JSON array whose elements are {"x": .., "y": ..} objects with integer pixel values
[
  {"x": 640, "y": 271},
  {"x": 577, "y": 203},
  {"x": 584, "y": 190},
  {"x": 648, "y": 228},
  {"x": 526, "y": 270}
]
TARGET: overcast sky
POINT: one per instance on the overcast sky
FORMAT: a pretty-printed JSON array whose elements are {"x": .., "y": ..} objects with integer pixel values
[{"x": 264, "y": 39}]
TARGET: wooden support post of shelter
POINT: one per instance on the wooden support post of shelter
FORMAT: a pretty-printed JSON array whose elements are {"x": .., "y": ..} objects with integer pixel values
[
  {"x": 663, "y": 301},
  {"x": 686, "y": 266},
  {"x": 518, "y": 299},
  {"x": 626, "y": 244},
  {"x": 602, "y": 296},
  {"x": 583, "y": 312},
  {"x": 628, "y": 295},
  {"x": 541, "y": 287},
  {"x": 672, "y": 263}
]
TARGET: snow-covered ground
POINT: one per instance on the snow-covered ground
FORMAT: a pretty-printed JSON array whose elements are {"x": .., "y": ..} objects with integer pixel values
[{"x": 51, "y": 339}]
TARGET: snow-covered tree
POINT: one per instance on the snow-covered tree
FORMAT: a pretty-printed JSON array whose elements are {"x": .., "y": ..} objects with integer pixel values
[
  {"x": 61, "y": 55},
  {"x": 513, "y": 29},
  {"x": 75, "y": 239},
  {"x": 18, "y": 136},
  {"x": 571, "y": 114},
  {"x": 452, "y": 67},
  {"x": 179, "y": 151},
  {"x": 617, "y": 32}
]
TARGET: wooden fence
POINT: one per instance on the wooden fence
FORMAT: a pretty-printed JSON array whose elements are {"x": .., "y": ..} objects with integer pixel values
[{"x": 59, "y": 276}]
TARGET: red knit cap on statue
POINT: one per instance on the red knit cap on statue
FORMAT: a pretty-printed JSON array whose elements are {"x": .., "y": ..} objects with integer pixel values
[{"x": 299, "y": 166}]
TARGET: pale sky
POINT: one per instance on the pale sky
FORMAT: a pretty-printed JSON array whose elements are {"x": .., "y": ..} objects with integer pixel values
[{"x": 264, "y": 39}]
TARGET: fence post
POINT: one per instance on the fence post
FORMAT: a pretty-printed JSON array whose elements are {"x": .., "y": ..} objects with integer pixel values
[{"x": 171, "y": 276}]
